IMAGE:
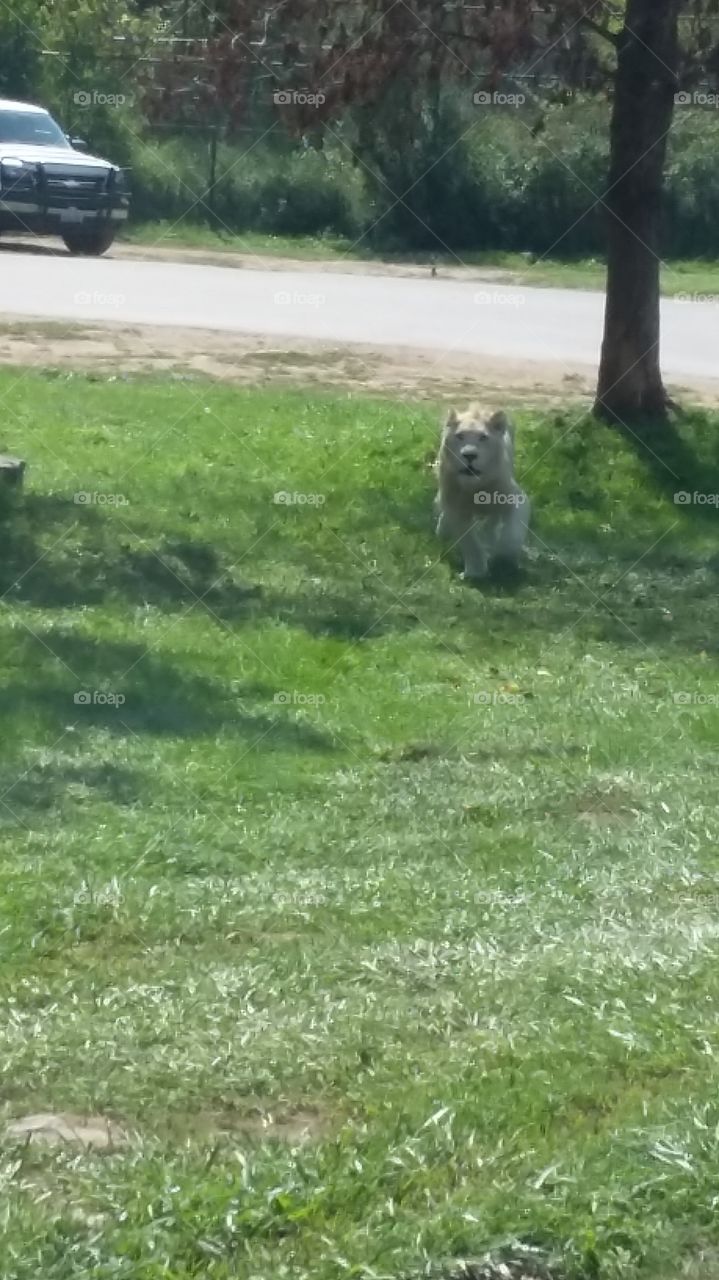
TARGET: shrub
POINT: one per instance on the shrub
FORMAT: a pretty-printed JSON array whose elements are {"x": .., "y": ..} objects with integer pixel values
[{"x": 506, "y": 180}]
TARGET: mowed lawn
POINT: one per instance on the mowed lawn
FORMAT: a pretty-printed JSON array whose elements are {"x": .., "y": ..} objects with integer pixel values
[{"x": 375, "y": 917}]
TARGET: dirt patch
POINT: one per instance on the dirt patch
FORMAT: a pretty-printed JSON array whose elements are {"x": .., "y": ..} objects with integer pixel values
[
  {"x": 261, "y": 1122},
  {"x": 412, "y": 753},
  {"x": 56, "y": 1128},
  {"x": 611, "y": 806},
  {"x": 270, "y": 1122},
  {"x": 193, "y": 354}
]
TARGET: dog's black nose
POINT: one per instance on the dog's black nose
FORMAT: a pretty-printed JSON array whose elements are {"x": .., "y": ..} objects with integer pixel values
[{"x": 469, "y": 452}]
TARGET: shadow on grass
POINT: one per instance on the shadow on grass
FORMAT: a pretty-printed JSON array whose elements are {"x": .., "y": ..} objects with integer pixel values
[
  {"x": 86, "y": 564},
  {"x": 677, "y": 463},
  {"x": 87, "y": 561},
  {"x": 59, "y": 555},
  {"x": 45, "y": 785},
  {"x": 126, "y": 690}
]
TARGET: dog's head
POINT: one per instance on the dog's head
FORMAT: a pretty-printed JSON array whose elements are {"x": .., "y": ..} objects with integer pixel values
[{"x": 477, "y": 447}]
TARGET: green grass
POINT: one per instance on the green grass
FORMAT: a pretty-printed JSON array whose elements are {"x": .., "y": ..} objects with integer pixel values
[
  {"x": 433, "y": 870},
  {"x": 691, "y": 277},
  {"x": 188, "y": 235}
]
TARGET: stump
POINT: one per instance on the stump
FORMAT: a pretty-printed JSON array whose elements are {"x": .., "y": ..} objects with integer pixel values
[{"x": 12, "y": 471}]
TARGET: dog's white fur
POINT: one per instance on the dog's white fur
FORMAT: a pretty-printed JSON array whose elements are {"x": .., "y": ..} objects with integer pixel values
[{"x": 480, "y": 506}]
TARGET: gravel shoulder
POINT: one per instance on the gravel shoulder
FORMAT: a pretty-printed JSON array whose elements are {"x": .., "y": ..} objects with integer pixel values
[
  {"x": 112, "y": 350},
  {"x": 254, "y": 260}
]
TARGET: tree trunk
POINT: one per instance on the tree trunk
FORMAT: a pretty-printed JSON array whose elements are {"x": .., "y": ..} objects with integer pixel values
[{"x": 630, "y": 380}]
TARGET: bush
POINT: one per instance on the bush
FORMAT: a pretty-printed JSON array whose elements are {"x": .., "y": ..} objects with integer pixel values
[
  {"x": 303, "y": 193},
  {"x": 504, "y": 181},
  {"x": 484, "y": 179},
  {"x": 691, "y": 225}
]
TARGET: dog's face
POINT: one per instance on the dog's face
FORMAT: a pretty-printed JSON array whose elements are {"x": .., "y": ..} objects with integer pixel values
[{"x": 477, "y": 447}]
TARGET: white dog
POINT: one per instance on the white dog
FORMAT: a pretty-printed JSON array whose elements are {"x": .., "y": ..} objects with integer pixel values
[{"x": 480, "y": 506}]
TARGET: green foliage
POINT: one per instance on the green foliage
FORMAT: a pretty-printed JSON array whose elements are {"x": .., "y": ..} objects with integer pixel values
[
  {"x": 305, "y": 192},
  {"x": 506, "y": 185},
  {"x": 407, "y": 171},
  {"x": 692, "y": 200},
  {"x": 21, "y": 61}
]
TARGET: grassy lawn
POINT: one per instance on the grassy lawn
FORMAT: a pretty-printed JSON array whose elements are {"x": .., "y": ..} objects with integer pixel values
[
  {"x": 696, "y": 279},
  {"x": 378, "y": 913}
]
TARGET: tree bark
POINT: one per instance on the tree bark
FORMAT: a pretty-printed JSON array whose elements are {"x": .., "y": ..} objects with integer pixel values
[
  {"x": 12, "y": 471},
  {"x": 630, "y": 381}
]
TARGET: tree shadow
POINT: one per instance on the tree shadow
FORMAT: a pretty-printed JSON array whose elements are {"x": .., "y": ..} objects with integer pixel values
[
  {"x": 340, "y": 615},
  {"x": 41, "y": 786},
  {"x": 681, "y": 468},
  {"x": 60, "y": 555},
  {"x": 176, "y": 572},
  {"x": 125, "y": 690}
]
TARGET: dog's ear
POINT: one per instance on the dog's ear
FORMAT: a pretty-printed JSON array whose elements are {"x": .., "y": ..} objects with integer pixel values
[
  {"x": 500, "y": 423},
  {"x": 451, "y": 420}
]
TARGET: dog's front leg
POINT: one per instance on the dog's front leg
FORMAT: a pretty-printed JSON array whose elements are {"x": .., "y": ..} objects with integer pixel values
[
  {"x": 444, "y": 529},
  {"x": 512, "y": 535},
  {"x": 474, "y": 556}
]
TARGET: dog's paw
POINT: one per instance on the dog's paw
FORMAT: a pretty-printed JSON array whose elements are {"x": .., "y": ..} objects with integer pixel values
[
  {"x": 473, "y": 577},
  {"x": 506, "y": 571}
]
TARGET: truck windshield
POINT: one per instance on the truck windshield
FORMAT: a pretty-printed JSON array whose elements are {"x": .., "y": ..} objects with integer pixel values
[{"x": 34, "y": 128}]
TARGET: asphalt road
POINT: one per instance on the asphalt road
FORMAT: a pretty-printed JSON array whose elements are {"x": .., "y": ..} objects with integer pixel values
[{"x": 556, "y": 325}]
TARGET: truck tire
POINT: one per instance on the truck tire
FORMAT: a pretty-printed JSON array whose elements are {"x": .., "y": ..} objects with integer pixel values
[{"x": 89, "y": 244}]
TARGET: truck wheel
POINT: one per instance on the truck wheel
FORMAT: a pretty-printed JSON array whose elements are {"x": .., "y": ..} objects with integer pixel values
[{"x": 90, "y": 244}]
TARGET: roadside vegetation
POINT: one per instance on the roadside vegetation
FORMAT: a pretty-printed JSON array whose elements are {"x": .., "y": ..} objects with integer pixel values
[{"x": 500, "y": 190}]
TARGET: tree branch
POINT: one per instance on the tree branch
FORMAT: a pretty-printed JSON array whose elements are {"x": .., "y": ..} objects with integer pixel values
[{"x": 597, "y": 27}]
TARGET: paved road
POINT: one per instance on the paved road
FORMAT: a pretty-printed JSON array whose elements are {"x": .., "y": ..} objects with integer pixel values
[{"x": 463, "y": 316}]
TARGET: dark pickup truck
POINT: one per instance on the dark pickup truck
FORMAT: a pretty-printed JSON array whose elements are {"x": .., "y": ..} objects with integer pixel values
[{"x": 50, "y": 187}]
